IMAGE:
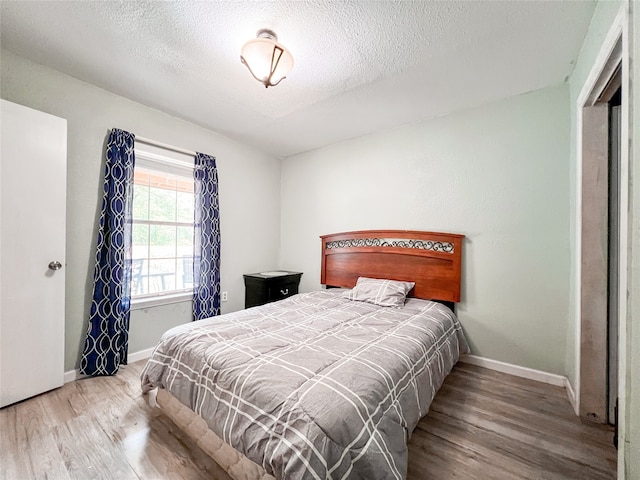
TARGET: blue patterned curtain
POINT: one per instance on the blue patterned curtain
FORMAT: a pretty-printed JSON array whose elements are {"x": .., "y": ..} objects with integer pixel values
[
  {"x": 206, "y": 264},
  {"x": 105, "y": 347}
]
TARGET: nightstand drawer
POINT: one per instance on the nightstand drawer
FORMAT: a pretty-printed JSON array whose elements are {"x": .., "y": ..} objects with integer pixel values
[{"x": 278, "y": 292}]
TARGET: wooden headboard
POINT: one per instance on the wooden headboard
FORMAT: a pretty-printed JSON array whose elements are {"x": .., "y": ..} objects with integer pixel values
[{"x": 431, "y": 260}]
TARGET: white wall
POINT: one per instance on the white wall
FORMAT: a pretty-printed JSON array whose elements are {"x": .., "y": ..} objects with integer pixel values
[
  {"x": 249, "y": 191},
  {"x": 498, "y": 174}
]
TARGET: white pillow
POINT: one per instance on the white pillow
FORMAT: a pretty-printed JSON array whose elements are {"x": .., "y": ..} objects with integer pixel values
[{"x": 386, "y": 293}]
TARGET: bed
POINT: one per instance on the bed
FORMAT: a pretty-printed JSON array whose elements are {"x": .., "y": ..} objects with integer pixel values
[{"x": 325, "y": 384}]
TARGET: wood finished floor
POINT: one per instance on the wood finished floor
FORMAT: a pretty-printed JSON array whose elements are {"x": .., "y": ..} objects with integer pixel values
[{"x": 482, "y": 425}]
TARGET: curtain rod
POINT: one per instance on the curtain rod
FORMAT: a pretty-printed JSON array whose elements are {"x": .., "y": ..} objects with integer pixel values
[{"x": 166, "y": 146}]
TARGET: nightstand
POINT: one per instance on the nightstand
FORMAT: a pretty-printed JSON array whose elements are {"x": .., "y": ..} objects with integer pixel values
[{"x": 265, "y": 287}]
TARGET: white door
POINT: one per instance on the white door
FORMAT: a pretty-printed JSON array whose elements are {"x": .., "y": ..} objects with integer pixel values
[{"x": 33, "y": 159}]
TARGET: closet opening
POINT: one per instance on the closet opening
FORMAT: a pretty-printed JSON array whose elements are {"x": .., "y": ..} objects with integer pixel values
[
  {"x": 600, "y": 243},
  {"x": 613, "y": 249}
]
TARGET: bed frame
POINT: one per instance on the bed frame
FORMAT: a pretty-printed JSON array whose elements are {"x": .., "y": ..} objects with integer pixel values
[{"x": 431, "y": 260}]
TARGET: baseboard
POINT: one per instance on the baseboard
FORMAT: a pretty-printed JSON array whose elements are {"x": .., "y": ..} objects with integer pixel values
[
  {"x": 141, "y": 355},
  {"x": 524, "y": 372},
  {"x": 73, "y": 375},
  {"x": 571, "y": 394}
]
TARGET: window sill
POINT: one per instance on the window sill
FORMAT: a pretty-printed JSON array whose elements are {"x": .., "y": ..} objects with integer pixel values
[{"x": 140, "y": 303}]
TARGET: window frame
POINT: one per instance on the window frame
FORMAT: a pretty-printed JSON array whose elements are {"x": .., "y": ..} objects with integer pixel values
[{"x": 175, "y": 164}]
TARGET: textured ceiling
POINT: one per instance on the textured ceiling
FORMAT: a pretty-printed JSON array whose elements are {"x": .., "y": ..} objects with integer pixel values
[{"x": 360, "y": 66}]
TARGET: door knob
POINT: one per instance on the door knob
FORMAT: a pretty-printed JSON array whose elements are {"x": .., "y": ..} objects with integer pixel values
[{"x": 55, "y": 265}]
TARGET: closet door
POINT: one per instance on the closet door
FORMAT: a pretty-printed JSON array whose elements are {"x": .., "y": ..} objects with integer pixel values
[{"x": 33, "y": 158}]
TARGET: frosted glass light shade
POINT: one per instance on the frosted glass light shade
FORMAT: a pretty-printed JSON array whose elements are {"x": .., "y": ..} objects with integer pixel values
[{"x": 267, "y": 60}]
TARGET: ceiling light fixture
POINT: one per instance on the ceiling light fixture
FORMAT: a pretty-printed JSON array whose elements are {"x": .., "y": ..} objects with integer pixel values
[{"x": 267, "y": 60}]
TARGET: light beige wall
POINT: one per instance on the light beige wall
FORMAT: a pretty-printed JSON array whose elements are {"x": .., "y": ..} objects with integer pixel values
[
  {"x": 249, "y": 191},
  {"x": 498, "y": 174}
]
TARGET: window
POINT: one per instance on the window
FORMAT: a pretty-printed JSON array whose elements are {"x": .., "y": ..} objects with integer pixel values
[{"x": 163, "y": 229}]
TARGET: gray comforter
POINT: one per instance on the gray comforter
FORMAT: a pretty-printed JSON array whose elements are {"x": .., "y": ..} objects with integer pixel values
[{"x": 314, "y": 386}]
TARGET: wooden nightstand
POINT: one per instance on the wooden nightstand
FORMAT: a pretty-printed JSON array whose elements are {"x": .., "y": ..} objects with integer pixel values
[{"x": 265, "y": 287}]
